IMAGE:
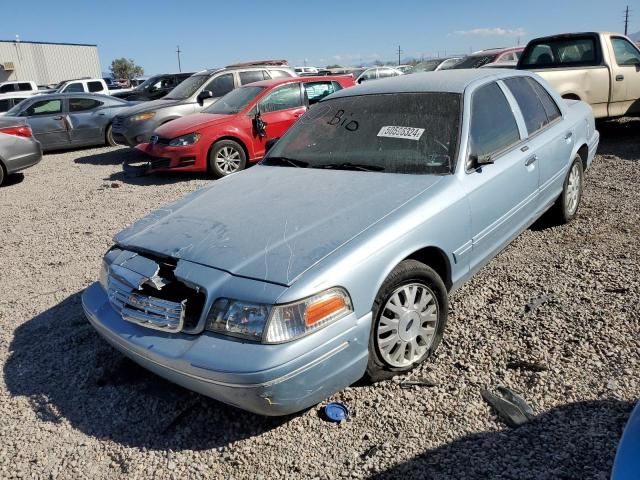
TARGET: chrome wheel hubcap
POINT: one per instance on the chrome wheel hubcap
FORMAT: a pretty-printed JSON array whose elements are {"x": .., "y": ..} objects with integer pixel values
[
  {"x": 573, "y": 190},
  {"x": 407, "y": 325},
  {"x": 228, "y": 160}
]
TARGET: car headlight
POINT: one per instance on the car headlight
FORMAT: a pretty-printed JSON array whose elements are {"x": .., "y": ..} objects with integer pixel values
[
  {"x": 142, "y": 117},
  {"x": 185, "y": 140},
  {"x": 279, "y": 323}
]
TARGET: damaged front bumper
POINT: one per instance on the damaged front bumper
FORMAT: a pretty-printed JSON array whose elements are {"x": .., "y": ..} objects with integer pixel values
[{"x": 266, "y": 379}]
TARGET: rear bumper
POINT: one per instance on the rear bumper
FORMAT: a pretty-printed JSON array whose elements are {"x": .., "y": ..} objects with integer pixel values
[
  {"x": 26, "y": 159},
  {"x": 190, "y": 361}
]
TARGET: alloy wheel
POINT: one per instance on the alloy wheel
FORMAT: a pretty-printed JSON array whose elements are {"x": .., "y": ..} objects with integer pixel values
[
  {"x": 228, "y": 160},
  {"x": 572, "y": 195},
  {"x": 407, "y": 325}
]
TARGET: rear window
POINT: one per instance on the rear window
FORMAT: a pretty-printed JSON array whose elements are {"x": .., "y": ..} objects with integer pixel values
[
  {"x": 560, "y": 52},
  {"x": 7, "y": 88},
  {"x": 95, "y": 86}
]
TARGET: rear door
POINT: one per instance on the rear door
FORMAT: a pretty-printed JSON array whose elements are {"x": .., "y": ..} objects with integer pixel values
[
  {"x": 549, "y": 142},
  {"x": 502, "y": 195},
  {"x": 626, "y": 77},
  {"x": 279, "y": 109},
  {"x": 85, "y": 122},
  {"x": 46, "y": 118}
]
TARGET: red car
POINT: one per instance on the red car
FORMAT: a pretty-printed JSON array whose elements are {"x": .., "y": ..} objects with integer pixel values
[{"x": 234, "y": 131}]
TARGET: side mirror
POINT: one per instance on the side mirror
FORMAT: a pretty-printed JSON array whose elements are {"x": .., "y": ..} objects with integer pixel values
[
  {"x": 270, "y": 144},
  {"x": 203, "y": 95},
  {"x": 480, "y": 160},
  {"x": 259, "y": 125}
]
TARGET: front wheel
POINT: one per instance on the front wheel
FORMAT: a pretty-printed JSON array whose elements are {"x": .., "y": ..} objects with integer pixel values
[
  {"x": 566, "y": 206},
  {"x": 409, "y": 316},
  {"x": 226, "y": 157},
  {"x": 109, "y": 137}
]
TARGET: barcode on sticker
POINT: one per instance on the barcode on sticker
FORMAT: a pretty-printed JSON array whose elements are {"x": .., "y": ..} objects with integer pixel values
[{"x": 408, "y": 133}]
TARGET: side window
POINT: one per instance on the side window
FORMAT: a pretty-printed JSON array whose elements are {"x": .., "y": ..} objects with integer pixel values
[
  {"x": 369, "y": 74},
  {"x": 6, "y": 88},
  {"x": 386, "y": 72},
  {"x": 73, "y": 88},
  {"x": 5, "y": 105},
  {"x": 282, "y": 98},
  {"x": 549, "y": 104},
  {"x": 625, "y": 53},
  {"x": 24, "y": 87},
  {"x": 279, "y": 74},
  {"x": 530, "y": 105},
  {"x": 316, "y": 91},
  {"x": 251, "y": 76},
  {"x": 493, "y": 126},
  {"x": 44, "y": 107},
  {"x": 95, "y": 86},
  {"x": 221, "y": 85},
  {"x": 83, "y": 104}
]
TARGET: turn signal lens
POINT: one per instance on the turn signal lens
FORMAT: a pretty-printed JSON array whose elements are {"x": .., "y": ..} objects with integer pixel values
[
  {"x": 142, "y": 117},
  {"x": 297, "y": 319}
]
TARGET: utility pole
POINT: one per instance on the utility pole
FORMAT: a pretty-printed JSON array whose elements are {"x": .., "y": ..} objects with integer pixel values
[
  {"x": 399, "y": 53},
  {"x": 626, "y": 20},
  {"x": 178, "y": 52}
]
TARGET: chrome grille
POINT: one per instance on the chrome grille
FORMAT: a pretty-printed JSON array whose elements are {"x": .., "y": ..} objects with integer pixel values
[{"x": 145, "y": 310}]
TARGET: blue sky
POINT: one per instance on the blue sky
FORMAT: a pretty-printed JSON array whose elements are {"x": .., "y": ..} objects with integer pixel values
[{"x": 214, "y": 33}]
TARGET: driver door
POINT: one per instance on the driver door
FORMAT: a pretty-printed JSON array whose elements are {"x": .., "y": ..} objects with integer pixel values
[
  {"x": 279, "y": 109},
  {"x": 625, "y": 89}
]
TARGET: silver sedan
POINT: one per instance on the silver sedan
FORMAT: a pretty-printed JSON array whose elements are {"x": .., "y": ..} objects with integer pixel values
[
  {"x": 70, "y": 120},
  {"x": 334, "y": 258},
  {"x": 18, "y": 148}
]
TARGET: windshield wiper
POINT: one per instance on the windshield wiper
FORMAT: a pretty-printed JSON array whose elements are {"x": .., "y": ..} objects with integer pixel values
[
  {"x": 351, "y": 166},
  {"x": 286, "y": 161}
]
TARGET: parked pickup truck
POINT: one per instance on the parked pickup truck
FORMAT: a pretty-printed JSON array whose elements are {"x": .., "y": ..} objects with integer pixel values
[{"x": 602, "y": 69}]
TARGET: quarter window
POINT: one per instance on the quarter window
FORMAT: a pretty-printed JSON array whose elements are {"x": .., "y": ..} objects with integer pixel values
[
  {"x": 251, "y": 76},
  {"x": 625, "y": 53},
  {"x": 530, "y": 105},
  {"x": 549, "y": 104},
  {"x": 95, "y": 86},
  {"x": 282, "y": 98},
  {"x": 316, "y": 91},
  {"x": 221, "y": 85},
  {"x": 83, "y": 104},
  {"x": 493, "y": 126},
  {"x": 44, "y": 107},
  {"x": 279, "y": 74}
]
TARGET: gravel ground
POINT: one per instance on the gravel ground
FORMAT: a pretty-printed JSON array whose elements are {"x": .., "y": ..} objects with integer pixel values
[{"x": 555, "y": 316}]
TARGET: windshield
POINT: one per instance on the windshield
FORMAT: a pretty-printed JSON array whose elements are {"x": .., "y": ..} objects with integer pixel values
[
  {"x": 475, "y": 61},
  {"x": 412, "y": 133},
  {"x": 235, "y": 100},
  {"x": 187, "y": 88},
  {"x": 148, "y": 83}
]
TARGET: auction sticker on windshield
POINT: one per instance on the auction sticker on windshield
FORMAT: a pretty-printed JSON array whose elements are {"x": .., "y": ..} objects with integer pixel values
[{"x": 408, "y": 133}]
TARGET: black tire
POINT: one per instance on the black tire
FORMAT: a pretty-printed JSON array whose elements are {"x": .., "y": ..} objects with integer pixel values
[
  {"x": 3, "y": 174},
  {"x": 233, "y": 152},
  {"x": 564, "y": 210},
  {"x": 407, "y": 273},
  {"x": 109, "y": 137}
]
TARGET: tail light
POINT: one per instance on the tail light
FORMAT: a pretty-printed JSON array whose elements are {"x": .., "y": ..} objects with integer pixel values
[{"x": 19, "y": 131}]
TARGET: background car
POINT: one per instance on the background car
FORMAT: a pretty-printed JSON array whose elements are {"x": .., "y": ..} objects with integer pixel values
[
  {"x": 194, "y": 94},
  {"x": 375, "y": 73},
  {"x": 235, "y": 131},
  {"x": 494, "y": 55},
  {"x": 10, "y": 100},
  {"x": 306, "y": 71},
  {"x": 18, "y": 148},
  {"x": 71, "y": 119},
  {"x": 154, "y": 87},
  {"x": 434, "y": 65},
  {"x": 18, "y": 86}
]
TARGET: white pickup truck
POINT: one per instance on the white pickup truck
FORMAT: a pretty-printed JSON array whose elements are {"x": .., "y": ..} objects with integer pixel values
[
  {"x": 600, "y": 68},
  {"x": 18, "y": 86}
]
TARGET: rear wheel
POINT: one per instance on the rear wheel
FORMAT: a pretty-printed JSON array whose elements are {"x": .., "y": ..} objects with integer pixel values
[
  {"x": 3, "y": 175},
  {"x": 226, "y": 157},
  {"x": 109, "y": 137},
  {"x": 566, "y": 206},
  {"x": 409, "y": 316}
]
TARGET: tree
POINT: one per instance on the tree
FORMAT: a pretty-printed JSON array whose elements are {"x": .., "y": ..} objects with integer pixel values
[{"x": 125, "y": 68}]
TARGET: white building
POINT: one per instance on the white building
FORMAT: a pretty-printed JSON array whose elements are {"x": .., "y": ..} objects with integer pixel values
[{"x": 47, "y": 63}]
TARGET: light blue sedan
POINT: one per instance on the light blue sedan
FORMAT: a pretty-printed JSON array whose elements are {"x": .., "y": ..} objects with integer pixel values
[{"x": 334, "y": 258}]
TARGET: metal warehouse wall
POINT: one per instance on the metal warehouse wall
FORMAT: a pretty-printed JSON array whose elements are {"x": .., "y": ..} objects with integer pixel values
[{"x": 46, "y": 63}]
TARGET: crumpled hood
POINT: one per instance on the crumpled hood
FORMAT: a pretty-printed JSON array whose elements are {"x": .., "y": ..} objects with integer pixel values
[
  {"x": 272, "y": 223},
  {"x": 190, "y": 123},
  {"x": 150, "y": 106}
]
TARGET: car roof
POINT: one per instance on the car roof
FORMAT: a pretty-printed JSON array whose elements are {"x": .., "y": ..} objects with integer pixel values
[
  {"x": 446, "y": 81},
  {"x": 71, "y": 94},
  {"x": 243, "y": 66},
  {"x": 283, "y": 80}
]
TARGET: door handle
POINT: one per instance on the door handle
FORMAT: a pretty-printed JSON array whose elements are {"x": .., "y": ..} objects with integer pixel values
[
  {"x": 525, "y": 148},
  {"x": 619, "y": 78},
  {"x": 530, "y": 160},
  {"x": 58, "y": 117},
  {"x": 568, "y": 135}
]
